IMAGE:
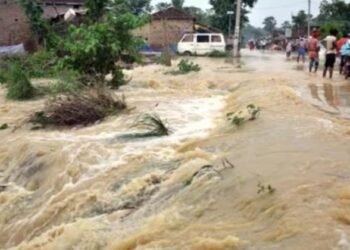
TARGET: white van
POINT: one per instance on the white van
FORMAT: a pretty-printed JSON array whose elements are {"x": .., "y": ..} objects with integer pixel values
[{"x": 201, "y": 44}]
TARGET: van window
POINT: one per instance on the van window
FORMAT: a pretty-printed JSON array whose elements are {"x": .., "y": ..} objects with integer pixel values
[
  {"x": 188, "y": 39},
  {"x": 216, "y": 39},
  {"x": 203, "y": 39}
]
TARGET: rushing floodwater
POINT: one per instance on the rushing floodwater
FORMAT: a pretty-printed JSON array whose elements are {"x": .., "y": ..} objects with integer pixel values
[{"x": 280, "y": 182}]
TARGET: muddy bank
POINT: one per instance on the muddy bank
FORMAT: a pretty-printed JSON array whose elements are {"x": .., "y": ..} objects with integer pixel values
[{"x": 278, "y": 182}]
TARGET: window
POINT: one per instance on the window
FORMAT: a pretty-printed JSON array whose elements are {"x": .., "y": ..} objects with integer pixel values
[
  {"x": 203, "y": 39},
  {"x": 216, "y": 39},
  {"x": 188, "y": 39}
]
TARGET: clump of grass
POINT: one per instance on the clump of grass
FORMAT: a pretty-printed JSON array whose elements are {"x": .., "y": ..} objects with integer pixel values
[
  {"x": 265, "y": 189},
  {"x": 4, "y": 126},
  {"x": 68, "y": 82},
  {"x": 19, "y": 86},
  {"x": 185, "y": 66},
  {"x": 238, "y": 119},
  {"x": 83, "y": 108},
  {"x": 217, "y": 54},
  {"x": 153, "y": 125}
]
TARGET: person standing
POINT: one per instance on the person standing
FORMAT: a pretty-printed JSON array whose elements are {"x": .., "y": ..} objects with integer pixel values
[
  {"x": 301, "y": 49},
  {"x": 342, "y": 52},
  {"x": 289, "y": 49},
  {"x": 331, "y": 51},
  {"x": 345, "y": 57},
  {"x": 313, "y": 48}
]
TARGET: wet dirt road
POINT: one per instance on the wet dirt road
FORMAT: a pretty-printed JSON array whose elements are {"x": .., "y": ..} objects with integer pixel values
[{"x": 278, "y": 182}]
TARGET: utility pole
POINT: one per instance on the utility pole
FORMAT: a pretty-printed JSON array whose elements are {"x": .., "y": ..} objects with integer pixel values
[
  {"x": 237, "y": 29},
  {"x": 309, "y": 19}
]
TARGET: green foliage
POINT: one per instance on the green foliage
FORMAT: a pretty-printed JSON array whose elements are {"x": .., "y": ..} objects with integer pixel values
[
  {"x": 68, "y": 83},
  {"x": 185, "y": 66},
  {"x": 4, "y": 126},
  {"x": 327, "y": 27},
  {"x": 82, "y": 108},
  {"x": 39, "y": 26},
  {"x": 219, "y": 18},
  {"x": 94, "y": 48},
  {"x": 19, "y": 86},
  {"x": 162, "y": 6},
  {"x": 96, "y": 9},
  {"x": 138, "y": 7},
  {"x": 37, "y": 65},
  {"x": 270, "y": 24},
  {"x": 238, "y": 119},
  {"x": 200, "y": 15},
  {"x": 300, "y": 22},
  {"x": 178, "y": 3},
  {"x": 218, "y": 54},
  {"x": 334, "y": 13}
]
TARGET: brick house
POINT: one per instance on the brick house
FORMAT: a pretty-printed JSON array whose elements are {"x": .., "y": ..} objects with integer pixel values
[
  {"x": 14, "y": 27},
  {"x": 166, "y": 27}
]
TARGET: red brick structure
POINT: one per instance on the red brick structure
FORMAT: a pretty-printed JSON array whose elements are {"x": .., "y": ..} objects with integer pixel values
[
  {"x": 166, "y": 26},
  {"x": 14, "y": 27}
]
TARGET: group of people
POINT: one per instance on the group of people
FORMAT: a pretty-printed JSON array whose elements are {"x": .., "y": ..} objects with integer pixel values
[{"x": 333, "y": 48}]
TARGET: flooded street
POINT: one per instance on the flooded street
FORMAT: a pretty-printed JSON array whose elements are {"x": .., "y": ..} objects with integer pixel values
[{"x": 278, "y": 182}]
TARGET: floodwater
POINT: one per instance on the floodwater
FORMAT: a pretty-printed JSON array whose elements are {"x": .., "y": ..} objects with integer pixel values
[{"x": 278, "y": 182}]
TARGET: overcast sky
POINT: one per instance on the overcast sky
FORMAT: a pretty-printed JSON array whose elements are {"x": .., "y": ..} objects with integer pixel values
[{"x": 281, "y": 10}]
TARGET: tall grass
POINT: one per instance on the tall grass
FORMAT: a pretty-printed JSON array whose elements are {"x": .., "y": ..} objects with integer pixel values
[{"x": 19, "y": 86}]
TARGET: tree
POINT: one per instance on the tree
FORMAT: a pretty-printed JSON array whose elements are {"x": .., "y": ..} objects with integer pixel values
[
  {"x": 270, "y": 24},
  {"x": 200, "y": 15},
  {"x": 39, "y": 27},
  {"x": 334, "y": 14},
  {"x": 139, "y": 6},
  {"x": 94, "y": 47},
  {"x": 219, "y": 18},
  {"x": 178, "y": 3},
  {"x": 300, "y": 22},
  {"x": 285, "y": 25},
  {"x": 96, "y": 9},
  {"x": 162, "y": 6}
]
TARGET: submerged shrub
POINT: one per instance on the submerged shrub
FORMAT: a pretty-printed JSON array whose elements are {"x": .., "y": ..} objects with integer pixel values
[
  {"x": 19, "y": 86},
  {"x": 251, "y": 113},
  {"x": 185, "y": 66},
  {"x": 217, "y": 53},
  {"x": 68, "y": 82},
  {"x": 4, "y": 126},
  {"x": 79, "y": 108},
  {"x": 153, "y": 125},
  {"x": 38, "y": 65}
]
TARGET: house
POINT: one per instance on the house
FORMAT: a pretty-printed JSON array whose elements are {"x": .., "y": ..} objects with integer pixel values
[
  {"x": 14, "y": 26},
  {"x": 166, "y": 27}
]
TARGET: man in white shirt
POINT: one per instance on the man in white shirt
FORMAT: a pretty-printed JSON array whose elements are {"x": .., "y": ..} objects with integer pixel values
[{"x": 331, "y": 51}]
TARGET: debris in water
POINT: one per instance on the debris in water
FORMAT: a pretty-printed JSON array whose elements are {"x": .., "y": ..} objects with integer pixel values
[{"x": 4, "y": 126}]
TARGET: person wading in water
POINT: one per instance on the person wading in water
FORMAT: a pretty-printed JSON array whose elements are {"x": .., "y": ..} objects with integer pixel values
[{"x": 314, "y": 49}]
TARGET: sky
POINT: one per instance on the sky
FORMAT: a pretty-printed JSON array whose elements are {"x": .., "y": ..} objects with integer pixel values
[{"x": 280, "y": 9}]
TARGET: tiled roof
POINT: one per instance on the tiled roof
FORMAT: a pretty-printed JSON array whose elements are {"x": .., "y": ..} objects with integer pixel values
[
  {"x": 172, "y": 13},
  {"x": 65, "y": 2}
]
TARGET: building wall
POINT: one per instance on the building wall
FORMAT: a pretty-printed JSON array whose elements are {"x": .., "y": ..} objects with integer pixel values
[
  {"x": 14, "y": 28},
  {"x": 154, "y": 32}
]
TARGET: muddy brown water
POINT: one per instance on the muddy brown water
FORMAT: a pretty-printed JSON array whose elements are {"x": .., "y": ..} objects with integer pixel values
[{"x": 85, "y": 188}]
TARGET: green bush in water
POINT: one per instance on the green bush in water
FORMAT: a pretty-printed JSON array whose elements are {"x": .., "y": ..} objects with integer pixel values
[
  {"x": 185, "y": 66},
  {"x": 19, "y": 86},
  {"x": 68, "y": 82}
]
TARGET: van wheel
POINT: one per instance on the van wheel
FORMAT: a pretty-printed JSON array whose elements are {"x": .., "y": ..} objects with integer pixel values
[{"x": 187, "y": 53}]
